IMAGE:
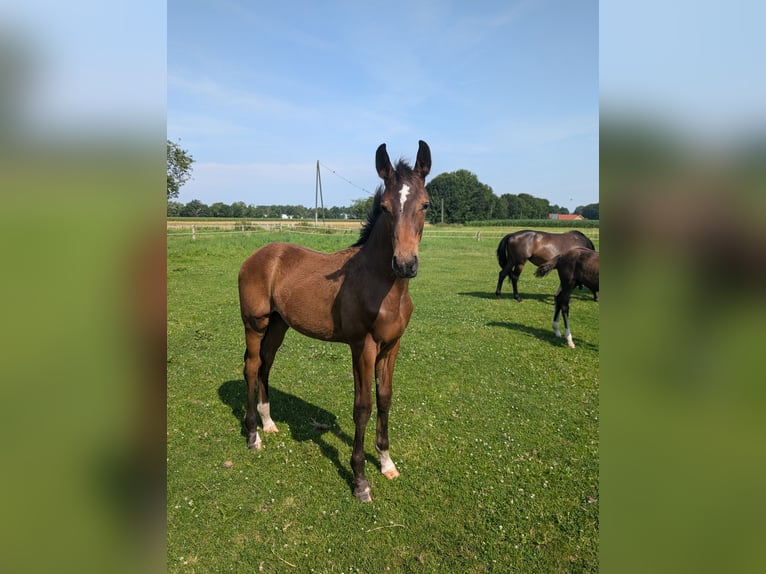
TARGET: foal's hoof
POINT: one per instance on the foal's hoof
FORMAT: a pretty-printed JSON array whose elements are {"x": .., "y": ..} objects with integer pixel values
[
  {"x": 254, "y": 442},
  {"x": 365, "y": 495},
  {"x": 271, "y": 428},
  {"x": 391, "y": 473}
]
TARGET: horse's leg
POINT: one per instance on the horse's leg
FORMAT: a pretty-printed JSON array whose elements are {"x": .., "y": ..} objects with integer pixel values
[
  {"x": 363, "y": 355},
  {"x": 272, "y": 340},
  {"x": 564, "y": 306},
  {"x": 557, "y": 307},
  {"x": 515, "y": 274},
  {"x": 384, "y": 372},
  {"x": 255, "y": 328},
  {"x": 501, "y": 277}
]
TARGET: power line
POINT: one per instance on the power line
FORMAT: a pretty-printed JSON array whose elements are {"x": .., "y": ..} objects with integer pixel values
[{"x": 344, "y": 179}]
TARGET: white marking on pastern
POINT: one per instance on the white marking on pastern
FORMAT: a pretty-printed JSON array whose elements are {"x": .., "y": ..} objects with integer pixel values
[
  {"x": 265, "y": 411},
  {"x": 387, "y": 466}
]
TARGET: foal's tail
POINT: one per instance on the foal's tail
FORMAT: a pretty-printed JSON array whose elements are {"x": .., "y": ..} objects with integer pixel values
[
  {"x": 502, "y": 252},
  {"x": 547, "y": 267}
]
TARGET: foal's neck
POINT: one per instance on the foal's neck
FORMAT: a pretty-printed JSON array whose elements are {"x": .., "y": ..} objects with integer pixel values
[{"x": 379, "y": 250}]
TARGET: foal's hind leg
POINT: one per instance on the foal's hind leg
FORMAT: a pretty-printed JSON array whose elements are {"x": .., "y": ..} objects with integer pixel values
[
  {"x": 270, "y": 344},
  {"x": 263, "y": 336},
  {"x": 253, "y": 338},
  {"x": 567, "y": 332},
  {"x": 557, "y": 306},
  {"x": 562, "y": 305}
]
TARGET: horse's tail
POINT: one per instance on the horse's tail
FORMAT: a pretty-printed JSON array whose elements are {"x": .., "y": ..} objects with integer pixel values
[
  {"x": 547, "y": 267},
  {"x": 502, "y": 252}
]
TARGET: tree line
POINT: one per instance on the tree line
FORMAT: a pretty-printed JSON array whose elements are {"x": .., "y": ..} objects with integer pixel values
[
  {"x": 238, "y": 209},
  {"x": 456, "y": 210},
  {"x": 456, "y": 197},
  {"x": 459, "y": 196}
]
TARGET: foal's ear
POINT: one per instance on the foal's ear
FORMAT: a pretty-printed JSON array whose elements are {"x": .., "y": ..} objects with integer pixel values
[
  {"x": 383, "y": 163},
  {"x": 423, "y": 162}
]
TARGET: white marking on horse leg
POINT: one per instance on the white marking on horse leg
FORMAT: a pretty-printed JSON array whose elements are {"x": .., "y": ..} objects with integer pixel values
[
  {"x": 387, "y": 466},
  {"x": 568, "y": 336},
  {"x": 265, "y": 411},
  {"x": 403, "y": 193},
  {"x": 570, "y": 342},
  {"x": 556, "y": 329},
  {"x": 258, "y": 444}
]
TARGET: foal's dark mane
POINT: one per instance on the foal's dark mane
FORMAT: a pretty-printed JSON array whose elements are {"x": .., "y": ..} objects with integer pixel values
[{"x": 403, "y": 171}]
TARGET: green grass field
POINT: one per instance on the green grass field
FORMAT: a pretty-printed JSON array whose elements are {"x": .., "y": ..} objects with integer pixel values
[{"x": 494, "y": 427}]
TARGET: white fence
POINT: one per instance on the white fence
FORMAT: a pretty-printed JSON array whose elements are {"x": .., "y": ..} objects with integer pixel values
[{"x": 193, "y": 229}]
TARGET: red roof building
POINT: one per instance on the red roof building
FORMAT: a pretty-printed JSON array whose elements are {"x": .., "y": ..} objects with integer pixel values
[{"x": 565, "y": 217}]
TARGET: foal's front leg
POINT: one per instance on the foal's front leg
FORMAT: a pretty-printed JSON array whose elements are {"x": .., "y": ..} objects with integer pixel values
[
  {"x": 384, "y": 372},
  {"x": 363, "y": 356}
]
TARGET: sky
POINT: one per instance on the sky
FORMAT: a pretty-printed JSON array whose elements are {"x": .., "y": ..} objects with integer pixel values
[
  {"x": 259, "y": 92},
  {"x": 696, "y": 64}
]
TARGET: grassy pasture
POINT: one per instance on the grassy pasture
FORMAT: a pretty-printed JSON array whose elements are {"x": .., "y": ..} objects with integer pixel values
[{"x": 494, "y": 427}]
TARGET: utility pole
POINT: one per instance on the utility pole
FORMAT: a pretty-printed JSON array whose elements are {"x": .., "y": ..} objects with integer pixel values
[{"x": 318, "y": 196}]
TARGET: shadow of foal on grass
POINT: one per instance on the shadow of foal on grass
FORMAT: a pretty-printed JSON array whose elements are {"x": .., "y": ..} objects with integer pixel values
[
  {"x": 305, "y": 420},
  {"x": 488, "y": 295},
  {"x": 542, "y": 334}
]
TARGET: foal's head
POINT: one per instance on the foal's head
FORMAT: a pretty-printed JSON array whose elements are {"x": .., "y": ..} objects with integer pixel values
[{"x": 403, "y": 206}]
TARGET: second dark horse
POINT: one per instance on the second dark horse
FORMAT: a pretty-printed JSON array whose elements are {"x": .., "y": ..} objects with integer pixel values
[
  {"x": 515, "y": 249},
  {"x": 578, "y": 266}
]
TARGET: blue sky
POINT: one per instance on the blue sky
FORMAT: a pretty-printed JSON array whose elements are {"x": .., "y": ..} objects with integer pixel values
[
  {"x": 259, "y": 91},
  {"x": 696, "y": 65}
]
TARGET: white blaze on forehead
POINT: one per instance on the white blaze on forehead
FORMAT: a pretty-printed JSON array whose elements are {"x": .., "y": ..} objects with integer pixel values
[{"x": 403, "y": 193}]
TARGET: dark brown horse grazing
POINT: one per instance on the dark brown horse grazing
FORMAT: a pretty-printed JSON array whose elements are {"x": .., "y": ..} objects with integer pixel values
[
  {"x": 578, "y": 266},
  {"x": 515, "y": 249},
  {"x": 358, "y": 296}
]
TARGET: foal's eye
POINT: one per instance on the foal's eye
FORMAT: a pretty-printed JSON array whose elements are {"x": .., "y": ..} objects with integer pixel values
[
  {"x": 384, "y": 208},
  {"x": 426, "y": 205}
]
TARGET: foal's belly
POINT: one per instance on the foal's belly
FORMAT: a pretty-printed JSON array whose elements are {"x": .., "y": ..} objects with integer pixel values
[{"x": 347, "y": 324}]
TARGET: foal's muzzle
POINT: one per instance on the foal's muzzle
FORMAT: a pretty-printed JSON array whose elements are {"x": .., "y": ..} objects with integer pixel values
[{"x": 405, "y": 269}]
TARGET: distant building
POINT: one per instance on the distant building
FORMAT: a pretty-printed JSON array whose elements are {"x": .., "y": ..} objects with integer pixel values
[{"x": 565, "y": 217}]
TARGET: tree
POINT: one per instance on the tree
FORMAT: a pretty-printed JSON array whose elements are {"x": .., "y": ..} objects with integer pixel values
[
  {"x": 219, "y": 209},
  {"x": 534, "y": 207},
  {"x": 195, "y": 208},
  {"x": 174, "y": 209},
  {"x": 464, "y": 198},
  {"x": 238, "y": 209},
  {"x": 360, "y": 207},
  {"x": 589, "y": 211},
  {"x": 179, "y": 164}
]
